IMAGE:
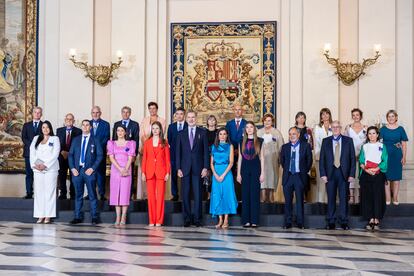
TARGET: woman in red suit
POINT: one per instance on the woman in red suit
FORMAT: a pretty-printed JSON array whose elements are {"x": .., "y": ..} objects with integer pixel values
[{"x": 156, "y": 168}]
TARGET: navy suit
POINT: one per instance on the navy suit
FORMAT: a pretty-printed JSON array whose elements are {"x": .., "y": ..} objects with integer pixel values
[
  {"x": 64, "y": 163},
  {"x": 102, "y": 135},
  {"x": 295, "y": 181},
  {"x": 28, "y": 133},
  {"x": 236, "y": 137},
  {"x": 172, "y": 141},
  {"x": 191, "y": 161},
  {"x": 337, "y": 177},
  {"x": 93, "y": 159}
]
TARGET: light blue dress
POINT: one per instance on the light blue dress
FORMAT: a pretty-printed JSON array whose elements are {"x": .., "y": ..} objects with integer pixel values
[{"x": 223, "y": 198}]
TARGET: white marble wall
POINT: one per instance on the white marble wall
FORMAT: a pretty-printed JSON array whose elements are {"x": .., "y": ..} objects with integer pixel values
[{"x": 140, "y": 28}]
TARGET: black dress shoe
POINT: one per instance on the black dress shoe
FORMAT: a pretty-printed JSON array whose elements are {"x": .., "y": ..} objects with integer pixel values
[
  {"x": 330, "y": 226},
  {"x": 300, "y": 226},
  {"x": 187, "y": 224},
  {"x": 287, "y": 226},
  {"x": 103, "y": 198},
  {"x": 28, "y": 196},
  {"x": 75, "y": 221},
  {"x": 345, "y": 226},
  {"x": 198, "y": 224},
  {"x": 174, "y": 198},
  {"x": 62, "y": 197},
  {"x": 95, "y": 221}
]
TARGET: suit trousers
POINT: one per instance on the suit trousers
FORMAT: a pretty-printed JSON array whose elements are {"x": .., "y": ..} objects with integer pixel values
[
  {"x": 191, "y": 182},
  {"x": 63, "y": 174},
  {"x": 79, "y": 183},
  {"x": 155, "y": 192},
  {"x": 295, "y": 185},
  {"x": 337, "y": 184},
  {"x": 174, "y": 181},
  {"x": 45, "y": 194},
  {"x": 29, "y": 176},
  {"x": 101, "y": 176},
  {"x": 251, "y": 191}
]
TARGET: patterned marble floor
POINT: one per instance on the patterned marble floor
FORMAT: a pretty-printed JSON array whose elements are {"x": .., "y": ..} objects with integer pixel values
[{"x": 61, "y": 249}]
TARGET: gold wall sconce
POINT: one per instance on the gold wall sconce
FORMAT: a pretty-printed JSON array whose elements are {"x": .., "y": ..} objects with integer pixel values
[
  {"x": 349, "y": 72},
  {"x": 102, "y": 74}
]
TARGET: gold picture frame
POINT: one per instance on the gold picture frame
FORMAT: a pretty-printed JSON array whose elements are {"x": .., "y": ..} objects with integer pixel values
[
  {"x": 215, "y": 66},
  {"x": 18, "y": 78}
]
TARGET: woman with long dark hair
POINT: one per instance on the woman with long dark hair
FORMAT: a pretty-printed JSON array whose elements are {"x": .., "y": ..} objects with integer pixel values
[
  {"x": 44, "y": 154},
  {"x": 250, "y": 173},
  {"x": 156, "y": 169},
  {"x": 121, "y": 153},
  {"x": 223, "y": 197},
  {"x": 373, "y": 159}
]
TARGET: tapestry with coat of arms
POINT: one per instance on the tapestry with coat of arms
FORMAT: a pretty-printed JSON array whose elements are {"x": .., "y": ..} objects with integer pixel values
[{"x": 218, "y": 65}]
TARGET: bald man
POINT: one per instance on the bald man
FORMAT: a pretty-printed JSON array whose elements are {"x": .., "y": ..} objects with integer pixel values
[{"x": 66, "y": 135}]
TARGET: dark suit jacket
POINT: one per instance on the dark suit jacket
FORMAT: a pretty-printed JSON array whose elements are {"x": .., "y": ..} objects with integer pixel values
[
  {"x": 61, "y": 133},
  {"x": 93, "y": 156},
  {"x": 28, "y": 134},
  {"x": 305, "y": 161},
  {"x": 102, "y": 133},
  {"x": 132, "y": 132},
  {"x": 172, "y": 134},
  {"x": 195, "y": 159},
  {"x": 236, "y": 136},
  {"x": 348, "y": 159}
]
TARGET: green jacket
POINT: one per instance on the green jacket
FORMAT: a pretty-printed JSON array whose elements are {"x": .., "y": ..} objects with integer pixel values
[{"x": 384, "y": 159}]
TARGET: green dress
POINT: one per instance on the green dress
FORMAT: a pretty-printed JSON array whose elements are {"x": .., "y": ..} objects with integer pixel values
[{"x": 392, "y": 139}]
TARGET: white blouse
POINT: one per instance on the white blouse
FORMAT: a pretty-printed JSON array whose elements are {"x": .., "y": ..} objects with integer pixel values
[
  {"x": 48, "y": 153},
  {"x": 319, "y": 133},
  {"x": 373, "y": 152}
]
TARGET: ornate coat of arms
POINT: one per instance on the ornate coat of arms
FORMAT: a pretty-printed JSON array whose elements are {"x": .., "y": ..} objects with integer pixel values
[{"x": 218, "y": 65}]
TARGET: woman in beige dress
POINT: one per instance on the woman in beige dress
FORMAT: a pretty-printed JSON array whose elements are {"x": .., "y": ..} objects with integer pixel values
[
  {"x": 144, "y": 134},
  {"x": 320, "y": 131},
  {"x": 272, "y": 143}
]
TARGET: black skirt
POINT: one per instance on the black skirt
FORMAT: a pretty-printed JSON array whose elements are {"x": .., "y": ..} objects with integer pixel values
[{"x": 372, "y": 189}]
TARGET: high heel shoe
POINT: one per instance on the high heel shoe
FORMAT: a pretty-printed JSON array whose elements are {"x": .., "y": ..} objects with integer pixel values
[
  {"x": 123, "y": 220},
  {"x": 218, "y": 226},
  {"x": 225, "y": 225},
  {"x": 39, "y": 221}
]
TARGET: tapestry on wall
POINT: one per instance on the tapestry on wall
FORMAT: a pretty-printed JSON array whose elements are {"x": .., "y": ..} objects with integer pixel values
[
  {"x": 18, "y": 77},
  {"x": 218, "y": 65}
]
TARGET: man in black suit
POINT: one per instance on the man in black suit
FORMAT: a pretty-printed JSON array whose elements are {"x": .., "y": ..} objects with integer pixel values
[
  {"x": 337, "y": 166},
  {"x": 192, "y": 163},
  {"x": 66, "y": 135},
  {"x": 29, "y": 131},
  {"x": 132, "y": 134},
  {"x": 173, "y": 130},
  {"x": 296, "y": 161}
]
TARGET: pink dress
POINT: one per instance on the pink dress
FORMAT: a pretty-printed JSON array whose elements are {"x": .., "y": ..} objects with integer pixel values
[{"x": 120, "y": 186}]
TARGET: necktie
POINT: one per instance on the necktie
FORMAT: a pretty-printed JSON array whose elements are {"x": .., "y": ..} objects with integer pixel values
[
  {"x": 68, "y": 139},
  {"x": 191, "y": 137},
  {"x": 124, "y": 123},
  {"x": 83, "y": 150},
  {"x": 35, "y": 126},
  {"x": 292, "y": 165},
  {"x": 237, "y": 124},
  {"x": 180, "y": 127},
  {"x": 337, "y": 154},
  {"x": 95, "y": 127}
]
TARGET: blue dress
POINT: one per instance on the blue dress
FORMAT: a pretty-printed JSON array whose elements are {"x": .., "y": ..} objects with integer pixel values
[
  {"x": 223, "y": 198},
  {"x": 392, "y": 139}
]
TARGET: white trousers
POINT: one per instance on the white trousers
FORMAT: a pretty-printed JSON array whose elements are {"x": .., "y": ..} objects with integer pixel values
[{"x": 45, "y": 194}]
